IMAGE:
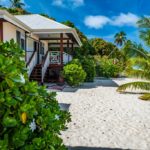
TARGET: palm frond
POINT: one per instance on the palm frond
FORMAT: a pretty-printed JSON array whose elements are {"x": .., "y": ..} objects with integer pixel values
[
  {"x": 141, "y": 62},
  {"x": 132, "y": 49},
  {"x": 145, "y": 97},
  {"x": 140, "y": 74},
  {"x": 137, "y": 67},
  {"x": 139, "y": 52},
  {"x": 134, "y": 85},
  {"x": 145, "y": 36},
  {"x": 144, "y": 22}
]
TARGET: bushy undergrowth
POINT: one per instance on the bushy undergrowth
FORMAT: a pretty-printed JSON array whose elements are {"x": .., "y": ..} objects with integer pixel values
[
  {"x": 88, "y": 65},
  {"x": 74, "y": 73},
  {"x": 108, "y": 67},
  {"x": 30, "y": 117}
]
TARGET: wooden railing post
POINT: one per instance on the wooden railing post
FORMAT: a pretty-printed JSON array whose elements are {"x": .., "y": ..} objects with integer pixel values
[
  {"x": 68, "y": 48},
  {"x": 61, "y": 48},
  {"x": 45, "y": 65}
]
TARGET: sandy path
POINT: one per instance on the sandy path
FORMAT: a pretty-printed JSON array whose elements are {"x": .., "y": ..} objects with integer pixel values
[{"x": 103, "y": 118}]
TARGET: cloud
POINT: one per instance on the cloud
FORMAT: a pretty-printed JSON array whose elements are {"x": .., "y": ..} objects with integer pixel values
[
  {"x": 98, "y": 22},
  {"x": 125, "y": 19},
  {"x": 68, "y": 3},
  {"x": 58, "y": 3},
  {"x": 78, "y": 3}
]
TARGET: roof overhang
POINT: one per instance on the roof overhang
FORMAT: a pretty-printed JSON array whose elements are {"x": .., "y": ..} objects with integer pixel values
[
  {"x": 59, "y": 31},
  {"x": 13, "y": 20},
  {"x": 6, "y": 16}
]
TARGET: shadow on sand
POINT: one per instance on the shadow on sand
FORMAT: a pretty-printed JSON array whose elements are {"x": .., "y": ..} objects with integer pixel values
[
  {"x": 93, "y": 148},
  {"x": 64, "y": 106},
  {"x": 101, "y": 82}
]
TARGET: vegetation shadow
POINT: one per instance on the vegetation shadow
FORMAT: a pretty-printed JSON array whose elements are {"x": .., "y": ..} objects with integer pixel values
[
  {"x": 93, "y": 148},
  {"x": 64, "y": 106},
  {"x": 102, "y": 82},
  {"x": 133, "y": 93}
]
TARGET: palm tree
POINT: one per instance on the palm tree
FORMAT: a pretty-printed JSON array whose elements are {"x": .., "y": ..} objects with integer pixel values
[
  {"x": 132, "y": 49},
  {"x": 139, "y": 67},
  {"x": 144, "y": 24},
  {"x": 120, "y": 38},
  {"x": 16, "y": 4}
]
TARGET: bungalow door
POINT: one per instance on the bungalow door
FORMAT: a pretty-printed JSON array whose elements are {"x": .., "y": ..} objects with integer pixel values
[
  {"x": 36, "y": 48},
  {"x": 41, "y": 52}
]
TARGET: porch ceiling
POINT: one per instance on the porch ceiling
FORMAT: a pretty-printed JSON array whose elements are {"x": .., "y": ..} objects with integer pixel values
[{"x": 54, "y": 38}]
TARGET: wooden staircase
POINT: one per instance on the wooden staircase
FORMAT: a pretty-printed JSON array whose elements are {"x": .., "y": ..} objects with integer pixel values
[
  {"x": 36, "y": 74},
  {"x": 52, "y": 74}
]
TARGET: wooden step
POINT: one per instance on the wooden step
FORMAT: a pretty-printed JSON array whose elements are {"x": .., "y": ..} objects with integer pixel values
[{"x": 36, "y": 74}]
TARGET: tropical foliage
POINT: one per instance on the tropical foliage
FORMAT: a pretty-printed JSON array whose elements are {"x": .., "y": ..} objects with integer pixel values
[
  {"x": 47, "y": 16},
  {"x": 88, "y": 65},
  {"x": 16, "y": 8},
  {"x": 103, "y": 48},
  {"x": 74, "y": 73},
  {"x": 16, "y": 4},
  {"x": 132, "y": 49},
  {"x": 108, "y": 67},
  {"x": 72, "y": 25},
  {"x": 120, "y": 38},
  {"x": 30, "y": 117},
  {"x": 139, "y": 66},
  {"x": 138, "y": 69}
]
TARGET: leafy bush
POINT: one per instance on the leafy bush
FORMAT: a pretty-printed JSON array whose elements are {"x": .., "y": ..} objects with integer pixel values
[
  {"x": 88, "y": 65},
  {"x": 74, "y": 73},
  {"x": 30, "y": 117},
  {"x": 108, "y": 67}
]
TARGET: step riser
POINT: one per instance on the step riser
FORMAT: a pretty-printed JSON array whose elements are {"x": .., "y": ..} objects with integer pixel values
[{"x": 36, "y": 74}]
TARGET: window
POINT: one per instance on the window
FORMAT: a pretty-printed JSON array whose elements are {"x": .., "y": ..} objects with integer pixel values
[
  {"x": 23, "y": 44},
  {"x": 18, "y": 37}
]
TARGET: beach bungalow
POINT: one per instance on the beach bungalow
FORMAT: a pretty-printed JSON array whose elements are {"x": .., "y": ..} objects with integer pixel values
[{"x": 45, "y": 42}]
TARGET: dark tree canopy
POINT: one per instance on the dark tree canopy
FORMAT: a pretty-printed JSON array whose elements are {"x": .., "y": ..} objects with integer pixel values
[
  {"x": 72, "y": 25},
  {"x": 102, "y": 47},
  {"x": 47, "y": 16},
  {"x": 17, "y": 4}
]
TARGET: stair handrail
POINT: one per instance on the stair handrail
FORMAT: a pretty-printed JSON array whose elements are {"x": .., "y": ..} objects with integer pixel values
[
  {"x": 32, "y": 62},
  {"x": 45, "y": 64}
]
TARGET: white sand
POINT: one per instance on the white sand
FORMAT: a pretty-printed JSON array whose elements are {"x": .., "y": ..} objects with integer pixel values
[{"x": 101, "y": 117}]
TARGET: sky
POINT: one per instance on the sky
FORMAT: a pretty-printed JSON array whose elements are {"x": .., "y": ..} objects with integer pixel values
[{"x": 95, "y": 18}]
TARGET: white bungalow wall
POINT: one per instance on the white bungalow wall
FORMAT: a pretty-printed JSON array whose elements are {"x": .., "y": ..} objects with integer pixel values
[{"x": 9, "y": 32}]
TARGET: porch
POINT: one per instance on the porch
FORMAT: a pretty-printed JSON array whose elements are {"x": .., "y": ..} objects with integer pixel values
[{"x": 45, "y": 65}]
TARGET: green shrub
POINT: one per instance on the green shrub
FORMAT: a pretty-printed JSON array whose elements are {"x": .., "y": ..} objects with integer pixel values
[
  {"x": 30, "y": 117},
  {"x": 74, "y": 73},
  {"x": 108, "y": 68},
  {"x": 88, "y": 65}
]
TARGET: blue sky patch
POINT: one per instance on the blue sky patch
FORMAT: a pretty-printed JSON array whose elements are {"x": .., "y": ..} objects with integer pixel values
[{"x": 95, "y": 18}]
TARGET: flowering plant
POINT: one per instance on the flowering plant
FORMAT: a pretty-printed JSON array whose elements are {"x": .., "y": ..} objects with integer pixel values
[{"x": 30, "y": 117}]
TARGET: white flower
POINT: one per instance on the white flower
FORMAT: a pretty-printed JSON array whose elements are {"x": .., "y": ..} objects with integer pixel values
[
  {"x": 33, "y": 125},
  {"x": 56, "y": 117},
  {"x": 22, "y": 79}
]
